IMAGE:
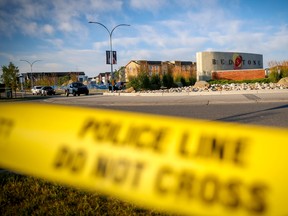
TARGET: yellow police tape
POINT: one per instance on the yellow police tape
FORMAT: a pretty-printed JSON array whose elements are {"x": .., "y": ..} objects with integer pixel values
[{"x": 177, "y": 165}]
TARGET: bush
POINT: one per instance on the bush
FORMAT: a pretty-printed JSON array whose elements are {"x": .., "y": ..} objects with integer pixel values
[
  {"x": 155, "y": 82},
  {"x": 135, "y": 83},
  {"x": 192, "y": 81},
  {"x": 144, "y": 81},
  {"x": 139, "y": 82},
  {"x": 273, "y": 76},
  {"x": 284, "y": 72},
  {"x": 183, "y": 81},
  {"x": 168, "y": 80}
]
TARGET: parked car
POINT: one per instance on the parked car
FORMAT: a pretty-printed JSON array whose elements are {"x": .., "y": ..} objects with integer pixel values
[
  {"x": 47, "y": 90},
  {"x": 118, "y": 86},
  {"x": 100, "y": 86},
  {"x": 36, "y": 90},
  {"x": 76, "y": 88}
]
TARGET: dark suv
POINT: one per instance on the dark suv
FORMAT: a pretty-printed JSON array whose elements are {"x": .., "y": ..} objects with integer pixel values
[
  {"x": 118, "y": 86},
  {"x": 76, "y": 88}
]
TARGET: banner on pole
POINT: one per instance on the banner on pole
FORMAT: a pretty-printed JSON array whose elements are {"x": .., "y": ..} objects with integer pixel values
[{"x": 108, "y": 55}]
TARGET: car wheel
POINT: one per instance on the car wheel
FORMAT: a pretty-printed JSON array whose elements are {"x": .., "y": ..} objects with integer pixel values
[
  {"x": 67, "y": 93},
  {"x": 74, "y": 93}
]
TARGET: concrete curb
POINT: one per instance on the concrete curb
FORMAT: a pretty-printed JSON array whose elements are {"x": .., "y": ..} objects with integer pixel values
[{"x": 196, "y": 93}]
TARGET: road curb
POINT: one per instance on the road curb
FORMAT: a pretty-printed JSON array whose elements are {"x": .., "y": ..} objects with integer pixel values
[{"x": 195, "y": 93}]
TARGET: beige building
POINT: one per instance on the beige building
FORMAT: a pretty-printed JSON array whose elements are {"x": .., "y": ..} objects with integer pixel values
[{"x": 184, "y": 69}]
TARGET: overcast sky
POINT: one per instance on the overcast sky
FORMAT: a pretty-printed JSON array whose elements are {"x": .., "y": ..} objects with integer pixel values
[{"x": 57, "y": 32}]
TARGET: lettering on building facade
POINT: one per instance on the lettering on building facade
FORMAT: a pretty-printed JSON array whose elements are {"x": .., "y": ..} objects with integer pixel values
[{"x": 237, "y": 61}]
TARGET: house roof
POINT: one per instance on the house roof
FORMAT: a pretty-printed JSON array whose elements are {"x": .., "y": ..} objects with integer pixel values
[
  {"x": 56, "y": 73},
  {"x": 154, "y": 62},
  {"x": 186, "y": 62}
]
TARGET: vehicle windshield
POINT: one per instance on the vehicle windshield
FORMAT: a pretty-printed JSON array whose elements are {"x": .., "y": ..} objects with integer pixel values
[
  {"x": 47, "y": 87},
  {"x": 77, "y": 84}
]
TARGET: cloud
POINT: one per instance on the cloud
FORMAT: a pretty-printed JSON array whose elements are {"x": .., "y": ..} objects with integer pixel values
[
  {"x": 30, "y": 15},
  {"x": 58, "y": 43},
  {"x": 150, "y": 5},
  {"x": 48, "y": 29}
]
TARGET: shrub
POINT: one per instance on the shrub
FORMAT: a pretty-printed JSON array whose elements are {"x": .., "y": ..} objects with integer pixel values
[
  {"x": 183, "y": 81},
  {"x": 284, "y": 72},
  {"x": 144, "y": 81},
  {"x": 168, "y": 80},
  {"x": 273, "y": 76},
  {"x": 134, "y": 82},
  {"x": 192, "y": 81},
  {"x": 155, "y": 82}
]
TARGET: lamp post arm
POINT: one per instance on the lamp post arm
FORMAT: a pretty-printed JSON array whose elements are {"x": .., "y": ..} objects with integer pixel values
[
  {"x": 35, "y": 62},
  {"x": 113, "y": 31},
  {"x": 27, "y": 62},
  {"x": 118, "y": 26},
  {"x": 102, "y": 25},
  {"x": 31, "y": 65}
]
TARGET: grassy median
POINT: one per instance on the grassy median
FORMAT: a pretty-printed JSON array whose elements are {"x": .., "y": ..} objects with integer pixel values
[{"x": 23, "y": 195}]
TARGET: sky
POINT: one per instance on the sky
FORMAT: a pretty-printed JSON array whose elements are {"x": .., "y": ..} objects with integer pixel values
[{"x": 58, "y": 32}]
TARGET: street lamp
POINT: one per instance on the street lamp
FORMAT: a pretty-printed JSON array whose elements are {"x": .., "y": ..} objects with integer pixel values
[
  {"x": 111, "y": 52},
  {"x": 31, "y": 65}
]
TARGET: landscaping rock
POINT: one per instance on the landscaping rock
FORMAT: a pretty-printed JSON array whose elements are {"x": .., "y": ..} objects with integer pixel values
[
  {"x": 129, "y": 90},
  {"x": 283, "y": 82},
  {"x": 201, "y": 84}
]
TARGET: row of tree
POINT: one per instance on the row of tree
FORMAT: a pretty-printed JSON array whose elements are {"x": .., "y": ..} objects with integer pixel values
[{"x": 145, "y": 82}]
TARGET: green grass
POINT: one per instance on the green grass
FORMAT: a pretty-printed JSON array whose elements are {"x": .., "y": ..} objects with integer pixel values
[
  {"x": 23, "y": 195},
  {"x": 264, "y": 80}
]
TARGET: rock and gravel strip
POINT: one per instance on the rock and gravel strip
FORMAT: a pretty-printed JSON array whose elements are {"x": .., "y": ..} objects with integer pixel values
[
  {"x": 203, "y": 86},
  {"x": 219, "y": 87}
]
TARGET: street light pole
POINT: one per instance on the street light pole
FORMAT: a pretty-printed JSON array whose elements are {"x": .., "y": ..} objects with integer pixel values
[
  {"x": 31, "y": 65},
  {"x": 111, "y": 51}
]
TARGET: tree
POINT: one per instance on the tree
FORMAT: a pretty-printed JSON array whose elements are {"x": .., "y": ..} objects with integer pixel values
[
  {"x": 134, "y": 82},
  {"x": 10, "y": 76},
  {"x": 155, "y": 81},
  {"x": 278, "y": 70},
  {"x": 168, "y": 80},
  {"x": 144, "y": 80}
]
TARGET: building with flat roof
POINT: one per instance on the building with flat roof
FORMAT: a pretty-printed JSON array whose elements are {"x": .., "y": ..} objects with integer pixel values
[{"x": 53, "y": 75}]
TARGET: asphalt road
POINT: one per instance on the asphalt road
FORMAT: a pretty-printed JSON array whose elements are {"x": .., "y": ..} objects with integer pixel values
[{"x": 270, "y": 109}]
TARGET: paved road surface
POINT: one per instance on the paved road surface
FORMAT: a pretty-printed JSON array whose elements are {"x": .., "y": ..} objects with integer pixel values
[{"x": 269, "y": 109}]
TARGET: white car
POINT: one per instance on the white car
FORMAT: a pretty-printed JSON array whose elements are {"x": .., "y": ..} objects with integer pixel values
[{"x": 36, "y": 90}]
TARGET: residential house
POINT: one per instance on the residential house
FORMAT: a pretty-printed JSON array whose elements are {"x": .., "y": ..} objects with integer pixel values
[
  {"x": 184, "y": 69},
  {"x": 103, "y": 78}
]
